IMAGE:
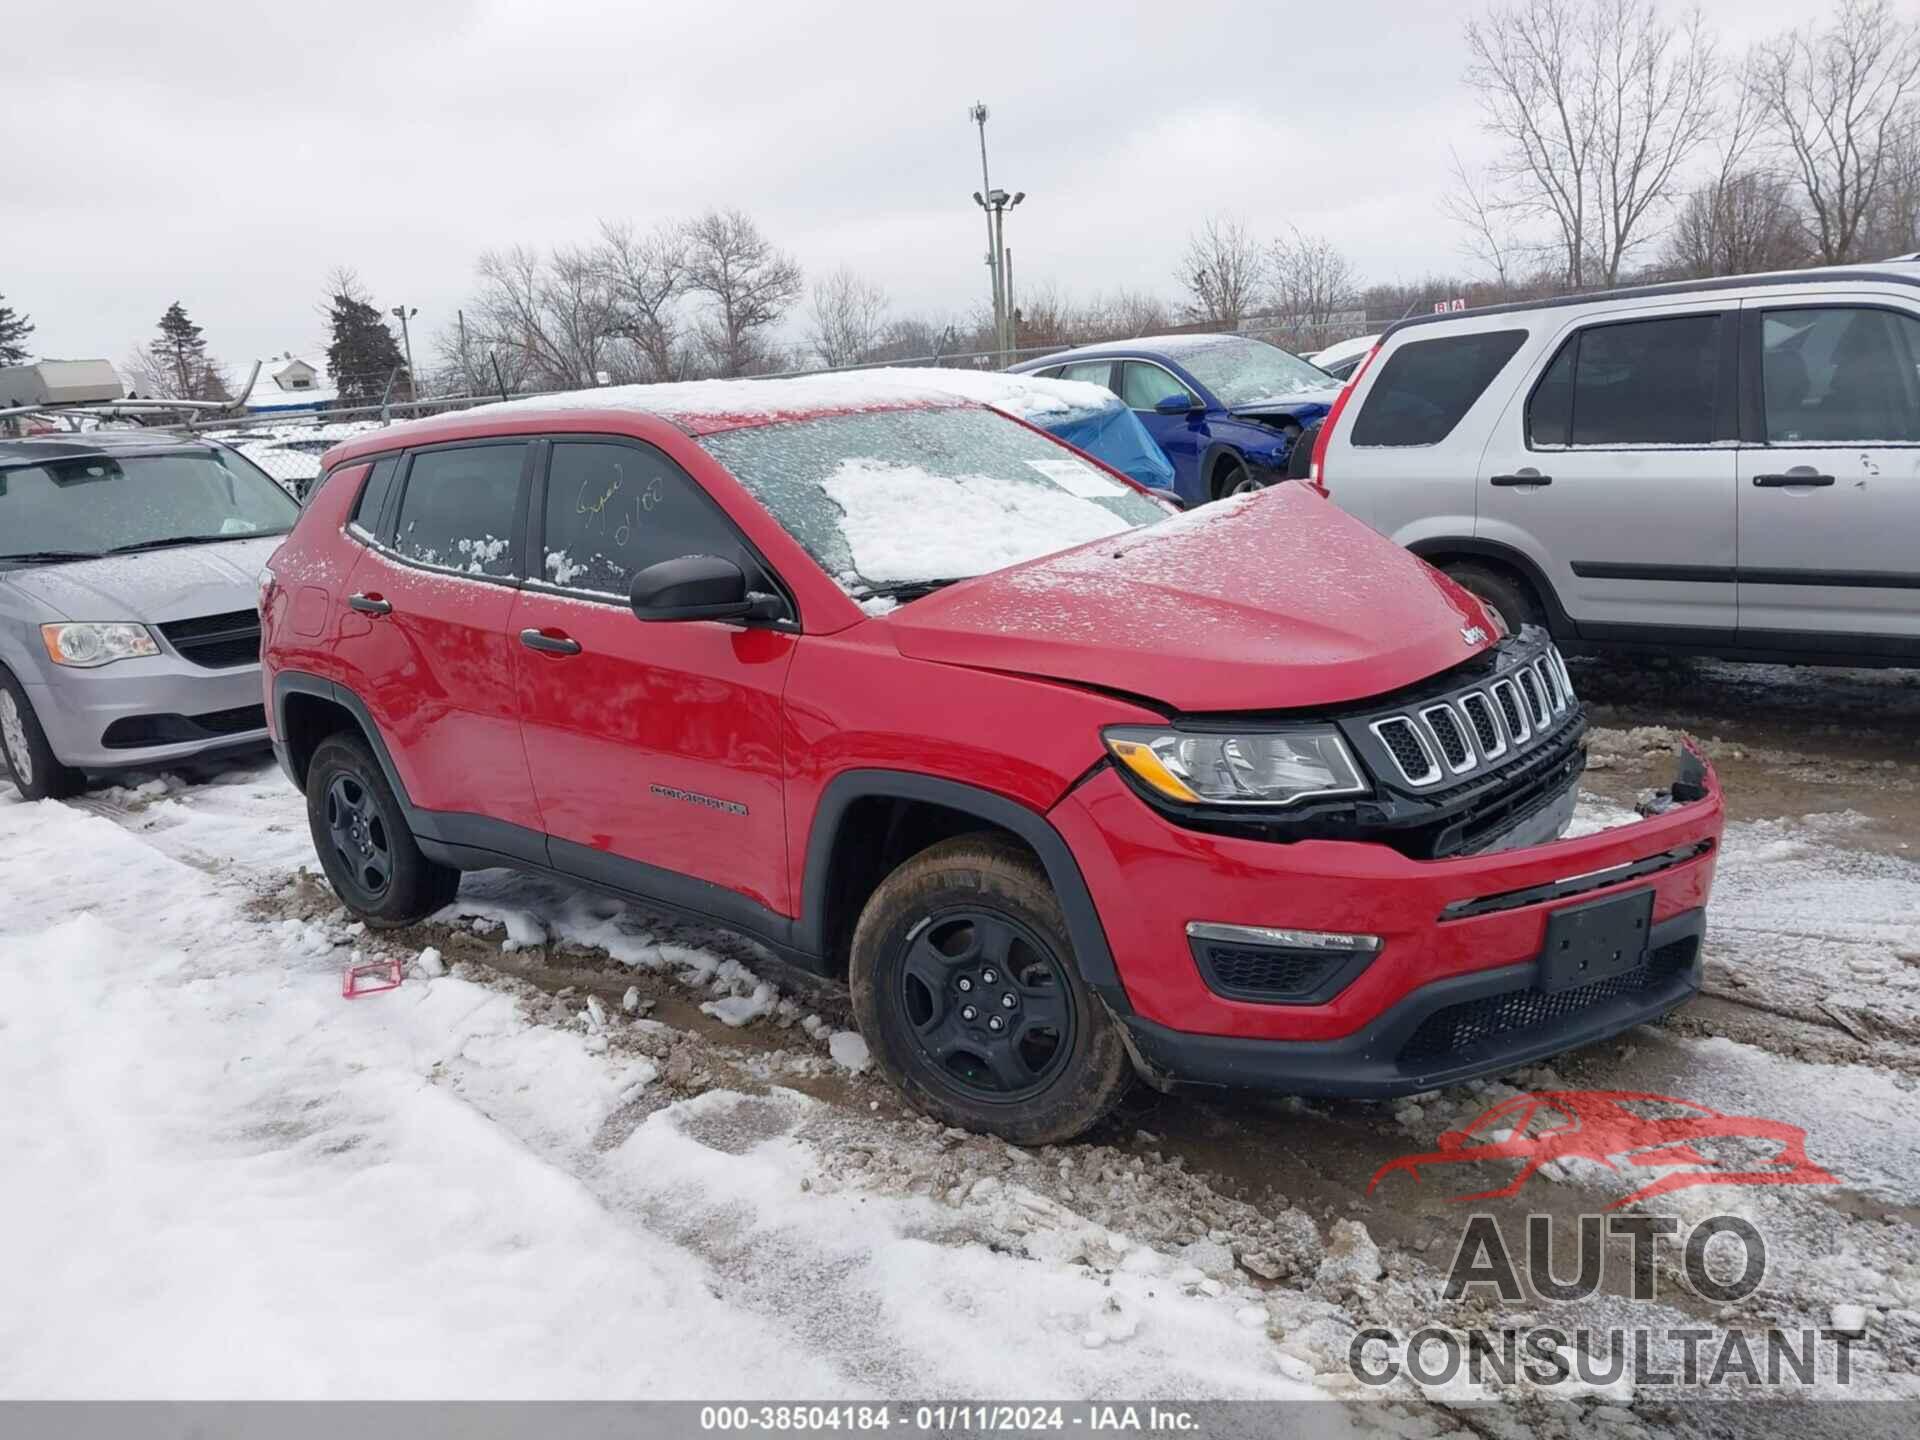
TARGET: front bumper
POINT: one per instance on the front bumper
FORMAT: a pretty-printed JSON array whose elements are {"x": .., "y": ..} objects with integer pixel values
[
  {"x": 148, "y": 711},
  {"x": 1456, "y": 932}
]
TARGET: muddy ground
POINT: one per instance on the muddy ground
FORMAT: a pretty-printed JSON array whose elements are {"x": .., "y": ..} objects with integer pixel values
[{"x": 1263, "y": 1192}]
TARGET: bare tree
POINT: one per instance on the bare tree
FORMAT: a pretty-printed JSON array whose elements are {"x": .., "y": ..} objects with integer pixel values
[
  {"x": 554, "y": 321},
  {"x": 1309, "y": 282},
  {"x": 1488, "y": 220},
  {"x": 1840, "y": 103},
  {"x": 1125, "y": 314},
  {"x": 1222, "y": 271},
  {"x": 1598, "y": 105},
  {"x": 1893, "y": 226},
  {"x": 749, "y": 283},
  {"x": 647, "y": 278},
  {"x": 849, "y": 316},
  {"x": 1741, "y": 218}
]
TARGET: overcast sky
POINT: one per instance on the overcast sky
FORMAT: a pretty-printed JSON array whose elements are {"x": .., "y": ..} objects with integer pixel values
[{"x": 229, "y": 154}]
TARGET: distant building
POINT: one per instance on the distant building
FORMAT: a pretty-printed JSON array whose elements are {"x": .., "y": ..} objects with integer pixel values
[{"x": 290, "y": 383}]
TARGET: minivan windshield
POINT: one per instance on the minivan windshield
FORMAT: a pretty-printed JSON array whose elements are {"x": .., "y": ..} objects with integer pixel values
[
  {"x": 85, "y": 506},
  {"x": 1245, "y": 372},
  {"x": 892, "y": 502}
]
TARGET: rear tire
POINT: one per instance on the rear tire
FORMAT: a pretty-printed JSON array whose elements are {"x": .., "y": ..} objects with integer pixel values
[
  {"x": 29, "y": 757},
  {"x": 966, "y": 989},
  {"x": 361, "y": 835},
  {"x": 1513, "y": 597}
]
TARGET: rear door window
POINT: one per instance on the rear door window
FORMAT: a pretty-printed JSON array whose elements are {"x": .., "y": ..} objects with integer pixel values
[
  {"x": 372, "y": 504},
  {"x": 1841, "y": 374},
  {"x": 1094, "y": 372},
  {"x": 1643, "y": 382},
  {"x": 459, "y": 507},
  {"x": 1427, "y": 386},
  {"x": 613, "y": 510}
]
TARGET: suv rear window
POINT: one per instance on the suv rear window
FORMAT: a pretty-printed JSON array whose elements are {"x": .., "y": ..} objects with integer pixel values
[
  {"x": 1426, "y": 386},
  {"x": 1645, "y": 382},
  {"x": 459, "y": 506}
]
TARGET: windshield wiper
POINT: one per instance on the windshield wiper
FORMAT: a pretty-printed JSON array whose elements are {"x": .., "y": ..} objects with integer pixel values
[
  {"x": 53, "y": 555},
  {"x": 908, "y": 589},
  {"x": 189, "y": 540}
]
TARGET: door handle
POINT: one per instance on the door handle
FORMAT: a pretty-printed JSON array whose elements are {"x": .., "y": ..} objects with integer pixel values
[
  {"x": 1799, "y": 475},
  {"x": 370, "y": 604},
  {"x": 549, "y": 644},
  {"x": 1522, "y": 477}
]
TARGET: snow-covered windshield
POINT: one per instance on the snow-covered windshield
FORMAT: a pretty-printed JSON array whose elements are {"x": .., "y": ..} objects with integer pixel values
[
  {"x": 1244, "y": 372},
  {"x": 889, "y": 500},
  {"x": 84, "y": 506}
]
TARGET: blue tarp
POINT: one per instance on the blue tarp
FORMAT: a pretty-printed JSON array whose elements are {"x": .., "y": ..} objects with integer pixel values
[{"x": 1116, "y": 436}]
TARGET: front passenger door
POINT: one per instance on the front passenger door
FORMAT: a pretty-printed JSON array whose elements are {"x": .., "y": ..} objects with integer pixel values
[
  {"x": 1830, "y": 476},
  {"x": 651, "y": 745},
  {"x": 1143, "y": 385}
]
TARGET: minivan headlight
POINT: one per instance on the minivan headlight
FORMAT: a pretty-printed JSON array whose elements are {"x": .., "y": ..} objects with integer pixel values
[
  {"x": 86, "y": 646},
  {"x": 1251, "y": 767}
]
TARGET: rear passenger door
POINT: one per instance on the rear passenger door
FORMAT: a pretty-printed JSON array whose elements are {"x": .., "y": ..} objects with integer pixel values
[
  {"x": 1614, "y": 472},
  {"x": 655, "y": 748},
  {"x": 1830, "y": 474},
  {"x": 423, "y": 634}
]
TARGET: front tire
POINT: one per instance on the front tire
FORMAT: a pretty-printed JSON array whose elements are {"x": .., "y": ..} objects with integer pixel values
[
  {"x": 965, "y": 987},
  {"x": 1233, "y": 476},
  {"x": 37, "y": 774},
  {"x": 364, "y": 843}
]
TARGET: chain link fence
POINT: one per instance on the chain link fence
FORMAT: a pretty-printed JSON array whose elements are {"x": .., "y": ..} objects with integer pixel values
[{"x": 288, "y": 444}]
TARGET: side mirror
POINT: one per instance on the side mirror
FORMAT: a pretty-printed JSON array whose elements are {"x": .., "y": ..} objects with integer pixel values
[
  {"x": 1174, "y": 405},
  {"x": 699, "y": 587}
]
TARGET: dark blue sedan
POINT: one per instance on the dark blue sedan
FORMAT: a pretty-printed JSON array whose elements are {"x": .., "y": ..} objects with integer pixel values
[{"x": 1226, "y": 409}]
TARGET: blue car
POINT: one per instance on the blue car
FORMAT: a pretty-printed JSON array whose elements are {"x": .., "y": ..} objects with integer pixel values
[{"x": 1226, "y": 409}]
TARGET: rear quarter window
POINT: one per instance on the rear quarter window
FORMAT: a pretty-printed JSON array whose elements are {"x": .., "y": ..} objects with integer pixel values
[
  {"x": 1426, "y": 386},
  {"x": 372, "y": 503}
]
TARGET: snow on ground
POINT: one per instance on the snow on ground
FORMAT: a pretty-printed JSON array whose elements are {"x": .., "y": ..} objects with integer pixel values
[{"x": 238, "y": 1183}]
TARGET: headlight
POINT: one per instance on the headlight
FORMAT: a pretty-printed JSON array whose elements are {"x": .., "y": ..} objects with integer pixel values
[
  {"x": 87, "y": 646},
  {"x": 1272, "y": 767}
]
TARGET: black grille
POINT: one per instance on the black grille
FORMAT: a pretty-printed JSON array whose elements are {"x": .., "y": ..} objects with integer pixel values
[
  {"x": 1530, "y": 683},
  {"x": 1276, "y": 973},
  {"x": 1483, "y": 726},
  {"x": 1456, "y": 1028},
  {"x": 1447, "y": 731},
  {"x": 1553, "y": 685},
  {"x": 133, "y": 732},
  {"x": 1408, "y": 753},
  {"x": 217, "y": 642},
  {"x": 1503, "y": 692}
]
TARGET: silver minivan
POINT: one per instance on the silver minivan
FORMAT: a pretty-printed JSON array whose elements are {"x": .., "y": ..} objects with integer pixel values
[
  {"x": 1727, "y": 466},
  {"x": 129, "y": 603}
]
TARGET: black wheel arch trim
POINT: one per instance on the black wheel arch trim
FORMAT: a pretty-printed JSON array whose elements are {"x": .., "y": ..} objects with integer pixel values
[
  {"x": 1448, "y": 547},
  {"x": 1091, "y": 950},
  {"x": 477, "y": 842}
]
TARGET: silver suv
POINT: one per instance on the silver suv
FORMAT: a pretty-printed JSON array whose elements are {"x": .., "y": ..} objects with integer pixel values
[
  {"x": 129, "y": 594},
  {"x": 1727, "y": 466}
]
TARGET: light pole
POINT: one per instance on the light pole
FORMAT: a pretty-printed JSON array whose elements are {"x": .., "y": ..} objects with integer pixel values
[
  {"x": 978, "y": 114},
  {"x": 403, "y": 314}
]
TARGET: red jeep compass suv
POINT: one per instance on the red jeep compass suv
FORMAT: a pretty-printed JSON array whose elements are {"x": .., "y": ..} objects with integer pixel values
[{"x": 1066, "y": 786}]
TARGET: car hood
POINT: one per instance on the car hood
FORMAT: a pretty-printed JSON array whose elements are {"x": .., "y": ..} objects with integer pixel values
[
  {"x": 156, "y": 585},
  {"x": 1289, "y": 406},
  {"x": 1271, "y": 601}
]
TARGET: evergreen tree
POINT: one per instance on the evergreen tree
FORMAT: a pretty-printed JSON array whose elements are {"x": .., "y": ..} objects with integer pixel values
[
  {"x": 363, "y": 352},
  {"x": 178, "y": 365},
  {"x": 14, "y": 329}
]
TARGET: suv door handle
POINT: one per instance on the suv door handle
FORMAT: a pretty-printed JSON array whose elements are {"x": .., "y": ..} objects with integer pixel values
[
  {"x": 549, "y": 644},
  {"x": 1522, "y": 477},
  {"x": 370, "y": 604},
  {"x": 1798, "y": 475}
]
